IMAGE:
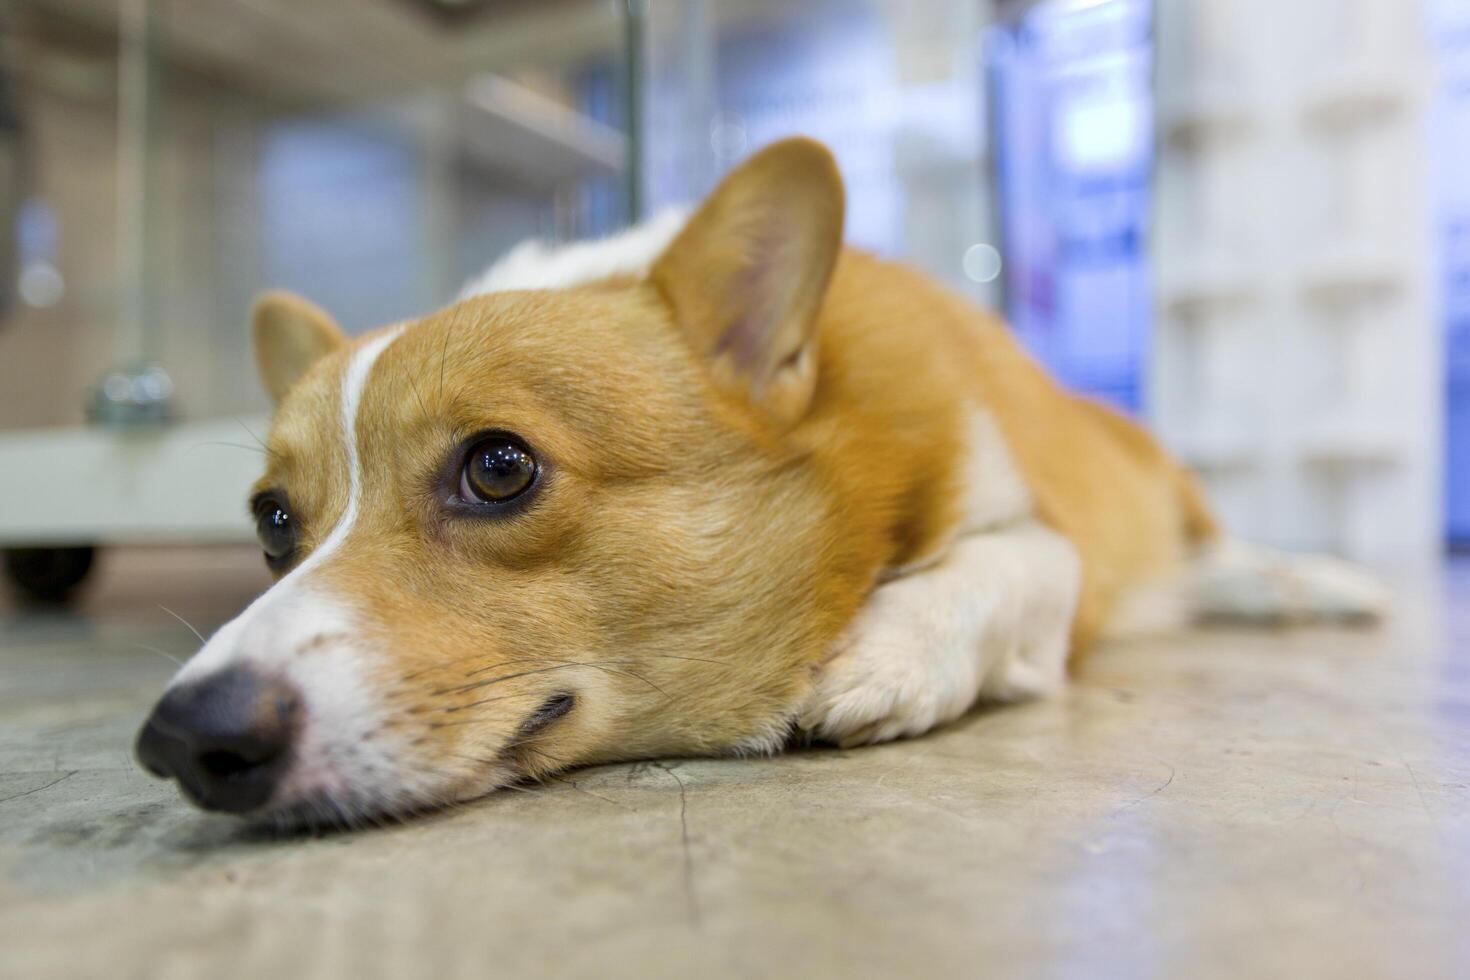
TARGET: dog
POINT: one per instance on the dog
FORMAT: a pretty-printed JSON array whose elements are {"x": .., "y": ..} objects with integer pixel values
[{"x": 686, "y": 491}]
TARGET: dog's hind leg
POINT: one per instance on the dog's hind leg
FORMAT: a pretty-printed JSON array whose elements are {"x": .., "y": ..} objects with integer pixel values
[
  {"x": 990, "y": 621},
  {"x": 1233, "y": 581}
]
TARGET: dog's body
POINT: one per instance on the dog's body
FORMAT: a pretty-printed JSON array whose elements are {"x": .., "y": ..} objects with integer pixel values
[
  {"x": 990, "y": 564},
  {"x": 760, "y": 481}
]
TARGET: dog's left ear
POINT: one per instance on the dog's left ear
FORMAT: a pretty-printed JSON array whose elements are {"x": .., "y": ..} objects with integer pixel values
[
  {"x": 290, "y": 334},
  {"x": 747, "y": 275}
]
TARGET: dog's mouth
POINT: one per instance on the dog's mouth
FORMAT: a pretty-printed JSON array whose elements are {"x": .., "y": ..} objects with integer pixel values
[
  {"x": 343, "y": 789},
  {"x": 557, "y": 706}
]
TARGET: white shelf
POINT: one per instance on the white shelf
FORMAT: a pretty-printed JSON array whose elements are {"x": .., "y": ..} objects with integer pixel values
[
  {"x": 1218, "y": 452},
  {"x": 1349, "y": 274},
  {"x": 1359, "y": 449},
  {"x": 1309, "y": 418},
  {"x": 1218, "y": 113},
  {"x": 89, "y": 485},
  {"x": 513, "y": 130},
  {"x": 1352, "y": 96},
  {"x": 1198, "y": 286}
]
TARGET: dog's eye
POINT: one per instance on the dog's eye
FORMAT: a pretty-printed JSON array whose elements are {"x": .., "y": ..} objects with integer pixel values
[
  {"x": 496, "y": 470},
  {"x": 276, "y": 531}
]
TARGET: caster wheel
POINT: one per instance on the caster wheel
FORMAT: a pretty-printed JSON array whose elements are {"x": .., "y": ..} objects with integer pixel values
[{"x": 47, "y": 575}]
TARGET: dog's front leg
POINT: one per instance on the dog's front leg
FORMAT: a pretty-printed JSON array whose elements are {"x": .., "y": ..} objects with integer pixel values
[{"x": 990, "y": 621}]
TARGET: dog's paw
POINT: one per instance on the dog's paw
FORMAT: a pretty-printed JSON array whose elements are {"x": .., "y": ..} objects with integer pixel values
[
  {"x": 991, "y": 621},
  {"x": 853, "y": 706},
  {"x": 1252, "y": 584},
  {"x": 894, "y": 678}
]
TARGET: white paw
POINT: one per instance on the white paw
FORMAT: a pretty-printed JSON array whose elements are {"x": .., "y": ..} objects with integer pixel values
[
  {"x": 990, "y": 621},
  {"x": 1253, "y": 584},
  {"x": 896, "y": 675}
]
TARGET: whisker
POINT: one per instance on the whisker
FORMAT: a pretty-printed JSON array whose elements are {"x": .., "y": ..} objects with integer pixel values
[
  {"x": 446, "y": 664},
  {"x": 232, "y": 445},
  {"x": 489, "y": 682},
  {"x": 443, "y": 354},
  {"x": 161, "y": 653},
  {"x": 449, "y": 664},
  {"x": 516, "y": 660},
  {"x": 251, "y": 433},
  {"x": 461, "y": 707},
  {"x": 413, "y": 382},
  {"x": 438, "y": 666},
  {"x": 697, "y": 660},
  {"x": 184, "y": 621},
  {"x": 568, "y": 663},
  {"x": 542, "y": 670}
]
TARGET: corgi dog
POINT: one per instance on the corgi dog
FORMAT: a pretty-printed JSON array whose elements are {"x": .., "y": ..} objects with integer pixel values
[{"x": 692, "y": 490}]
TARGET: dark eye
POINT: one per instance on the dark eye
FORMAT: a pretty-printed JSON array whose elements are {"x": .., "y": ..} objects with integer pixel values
[
  {"x": 496, "y": 470},
  {"x": 276, "y": 530}
]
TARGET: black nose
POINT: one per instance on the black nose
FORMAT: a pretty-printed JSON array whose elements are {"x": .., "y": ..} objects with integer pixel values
[{"x": 226, "y": 738}]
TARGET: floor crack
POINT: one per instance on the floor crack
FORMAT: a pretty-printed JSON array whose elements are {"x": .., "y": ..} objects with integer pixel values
[
  {"x": 690, "y": 893},
  {"x": 38, "y": 789},
  {"x": 1147, "y": 796}
]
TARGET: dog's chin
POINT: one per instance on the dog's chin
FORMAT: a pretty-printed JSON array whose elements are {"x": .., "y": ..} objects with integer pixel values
[
  {"x": 332, "y": 814},
  {"x": 349, "y": 805}
]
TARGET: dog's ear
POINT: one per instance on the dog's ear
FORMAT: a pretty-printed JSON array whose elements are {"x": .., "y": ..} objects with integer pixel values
[
  {"x": 747, "y": 275},
  {"x": 290, "y": 334}
]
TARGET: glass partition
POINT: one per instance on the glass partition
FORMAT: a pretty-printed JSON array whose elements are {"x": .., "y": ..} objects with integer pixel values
[
  {"x": 161, "y": 161},
  {"x": 896, "y": 89}
]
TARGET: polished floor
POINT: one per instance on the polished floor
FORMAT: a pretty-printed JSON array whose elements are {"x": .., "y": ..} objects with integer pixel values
[{"x": 1212, "y": 805}]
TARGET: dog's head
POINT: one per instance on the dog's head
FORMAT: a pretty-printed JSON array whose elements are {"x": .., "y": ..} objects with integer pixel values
[{"x": 534, "y": 529}]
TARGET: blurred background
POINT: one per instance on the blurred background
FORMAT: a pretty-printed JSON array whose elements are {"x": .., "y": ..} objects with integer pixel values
[{"x": 1246, "y": 222}]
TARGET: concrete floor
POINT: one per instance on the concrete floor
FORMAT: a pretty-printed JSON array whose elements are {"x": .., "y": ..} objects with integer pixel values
[{"x": 1217, "y": 805}]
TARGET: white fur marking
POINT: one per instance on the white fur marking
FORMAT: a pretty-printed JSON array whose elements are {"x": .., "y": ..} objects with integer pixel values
[
  {"x": 1249, "y": 583},
  {"x": 354, "y": 379},
  {"x": 991, "y": 620},
  {"x": 1234, "y": 581},
  {"x": 994, "y": 496},
  {"x": 341, "y": 708},
  {"x": 220, "y": 647},
  {"x": 532, "y": 265}
]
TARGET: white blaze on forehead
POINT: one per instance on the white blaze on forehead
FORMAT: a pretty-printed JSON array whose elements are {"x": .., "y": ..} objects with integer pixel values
[
  {"x": 230, "y": 643},
  {"x": 354, "y": 379}
]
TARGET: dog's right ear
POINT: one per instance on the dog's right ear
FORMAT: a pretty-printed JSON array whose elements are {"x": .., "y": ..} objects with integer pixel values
[
  {"x": 290, "y": 334},
  {"x": 747, "y": 274}
]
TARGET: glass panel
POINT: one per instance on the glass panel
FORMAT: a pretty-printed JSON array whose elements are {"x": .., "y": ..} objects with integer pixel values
[
  {"x": 1451, "y": 137},
  {"x": 1074, "y": 160},
  {"x": 371, "y": 156},
  {"x": 894, "y": 88}
]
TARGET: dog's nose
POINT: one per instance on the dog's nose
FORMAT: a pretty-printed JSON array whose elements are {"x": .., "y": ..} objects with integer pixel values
[{"x": 226, "y": 738}]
